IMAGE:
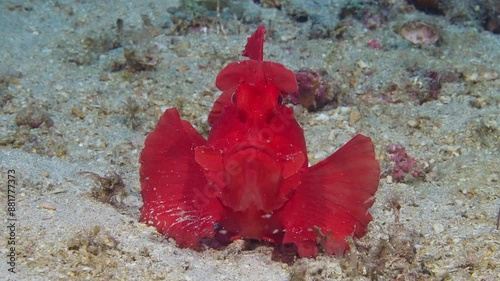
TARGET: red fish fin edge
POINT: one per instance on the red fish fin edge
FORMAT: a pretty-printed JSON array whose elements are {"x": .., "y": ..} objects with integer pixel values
[
  {"x": 254, "y": 49},
  {"x": 174, "y": 188},
  {"x": 235, "y": 73},
  {"x": 256, "y": 72},
  {"x": 218, "y": 109},
  {"x": 333, "y": 200},
  {"x": 280, "y": 76}
]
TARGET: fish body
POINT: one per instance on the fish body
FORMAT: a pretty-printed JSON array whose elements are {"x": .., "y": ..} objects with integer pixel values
[{"x": 250, "y": 179}]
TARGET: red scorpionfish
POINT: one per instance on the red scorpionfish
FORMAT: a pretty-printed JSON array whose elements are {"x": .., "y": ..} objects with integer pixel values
[{"x": 251, "y": 178}]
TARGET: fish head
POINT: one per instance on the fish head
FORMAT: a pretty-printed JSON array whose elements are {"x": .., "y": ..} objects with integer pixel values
[{"x": 257, "y": 102}]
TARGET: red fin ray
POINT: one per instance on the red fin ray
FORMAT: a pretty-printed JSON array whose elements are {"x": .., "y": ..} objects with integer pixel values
[
  {"x": 256, "y": 72},
  {"x": 333, "y": 199},
  {"x": 280, "y": 76},
  {"x": 254, "y": 49},
  {"x": 175, "y": 201},
  {"x": 235, "y": 73}
]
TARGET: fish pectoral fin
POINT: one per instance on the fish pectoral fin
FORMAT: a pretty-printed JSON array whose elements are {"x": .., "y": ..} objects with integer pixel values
[
  {"x": 332, "y": 201},
  {"x": 208, "y": 158},
  {"x": 176, "y": 194},
  {"x": 292, "y": 164}
]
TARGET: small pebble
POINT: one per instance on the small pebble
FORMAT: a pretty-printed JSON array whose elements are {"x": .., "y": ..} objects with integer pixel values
[
  {"x": 78, "y": 113},
  {"x": 47, "y": 207},
  {"x": 57, "y": 191},
  {"x": 445, "y": 99},
  {"x": 420, "y": 33},
  {"x": 412, "y": 123},
  {"x": 438, "y": 228},
  {"x": 320, "y": 155},
  {"x": 362, "y": 64},
  {"x": 482, "y": 74},
  {"x": 479, "y": 102},
  {"x": 322, "y": 117},
  {"x": 389, "y": 179},
  {"x": 354, "y": 117}
]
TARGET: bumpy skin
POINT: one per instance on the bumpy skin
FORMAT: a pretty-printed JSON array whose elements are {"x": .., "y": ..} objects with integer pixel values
[{"x": 251, "y": 178}]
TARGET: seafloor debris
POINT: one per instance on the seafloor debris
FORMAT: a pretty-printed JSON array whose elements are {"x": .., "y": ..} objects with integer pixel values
[
  {"x": 94, "y": 241},
  {"x": 315, "y": 91},
  {"x": 34, "y": 117},
  {"x": 137, "y": 61},
  {"x": 4, "y": 97},
  {"x": 404, "y": 166},
  {"x": 374, "y": 44},
  {"x": 420, "y": 33},
  {"x": 107, "y": 188}
]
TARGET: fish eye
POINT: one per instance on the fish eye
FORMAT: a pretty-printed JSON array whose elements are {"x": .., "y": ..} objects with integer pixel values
[
  {"x": 233, "y": 99},
  {"x": 280, "y": 100}
]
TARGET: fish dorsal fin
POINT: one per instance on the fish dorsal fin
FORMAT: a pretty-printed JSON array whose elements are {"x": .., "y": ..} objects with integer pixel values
[
  {"x": 254, "y": 49},
  {"x": 254, "y": 71}
]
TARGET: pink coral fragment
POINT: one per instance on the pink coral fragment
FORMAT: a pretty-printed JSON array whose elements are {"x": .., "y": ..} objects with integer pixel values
[{"x": 403, "y": 164}]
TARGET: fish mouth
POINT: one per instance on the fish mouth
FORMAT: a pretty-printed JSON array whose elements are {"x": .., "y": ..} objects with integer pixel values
[{"x": 258, "y": 148}]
